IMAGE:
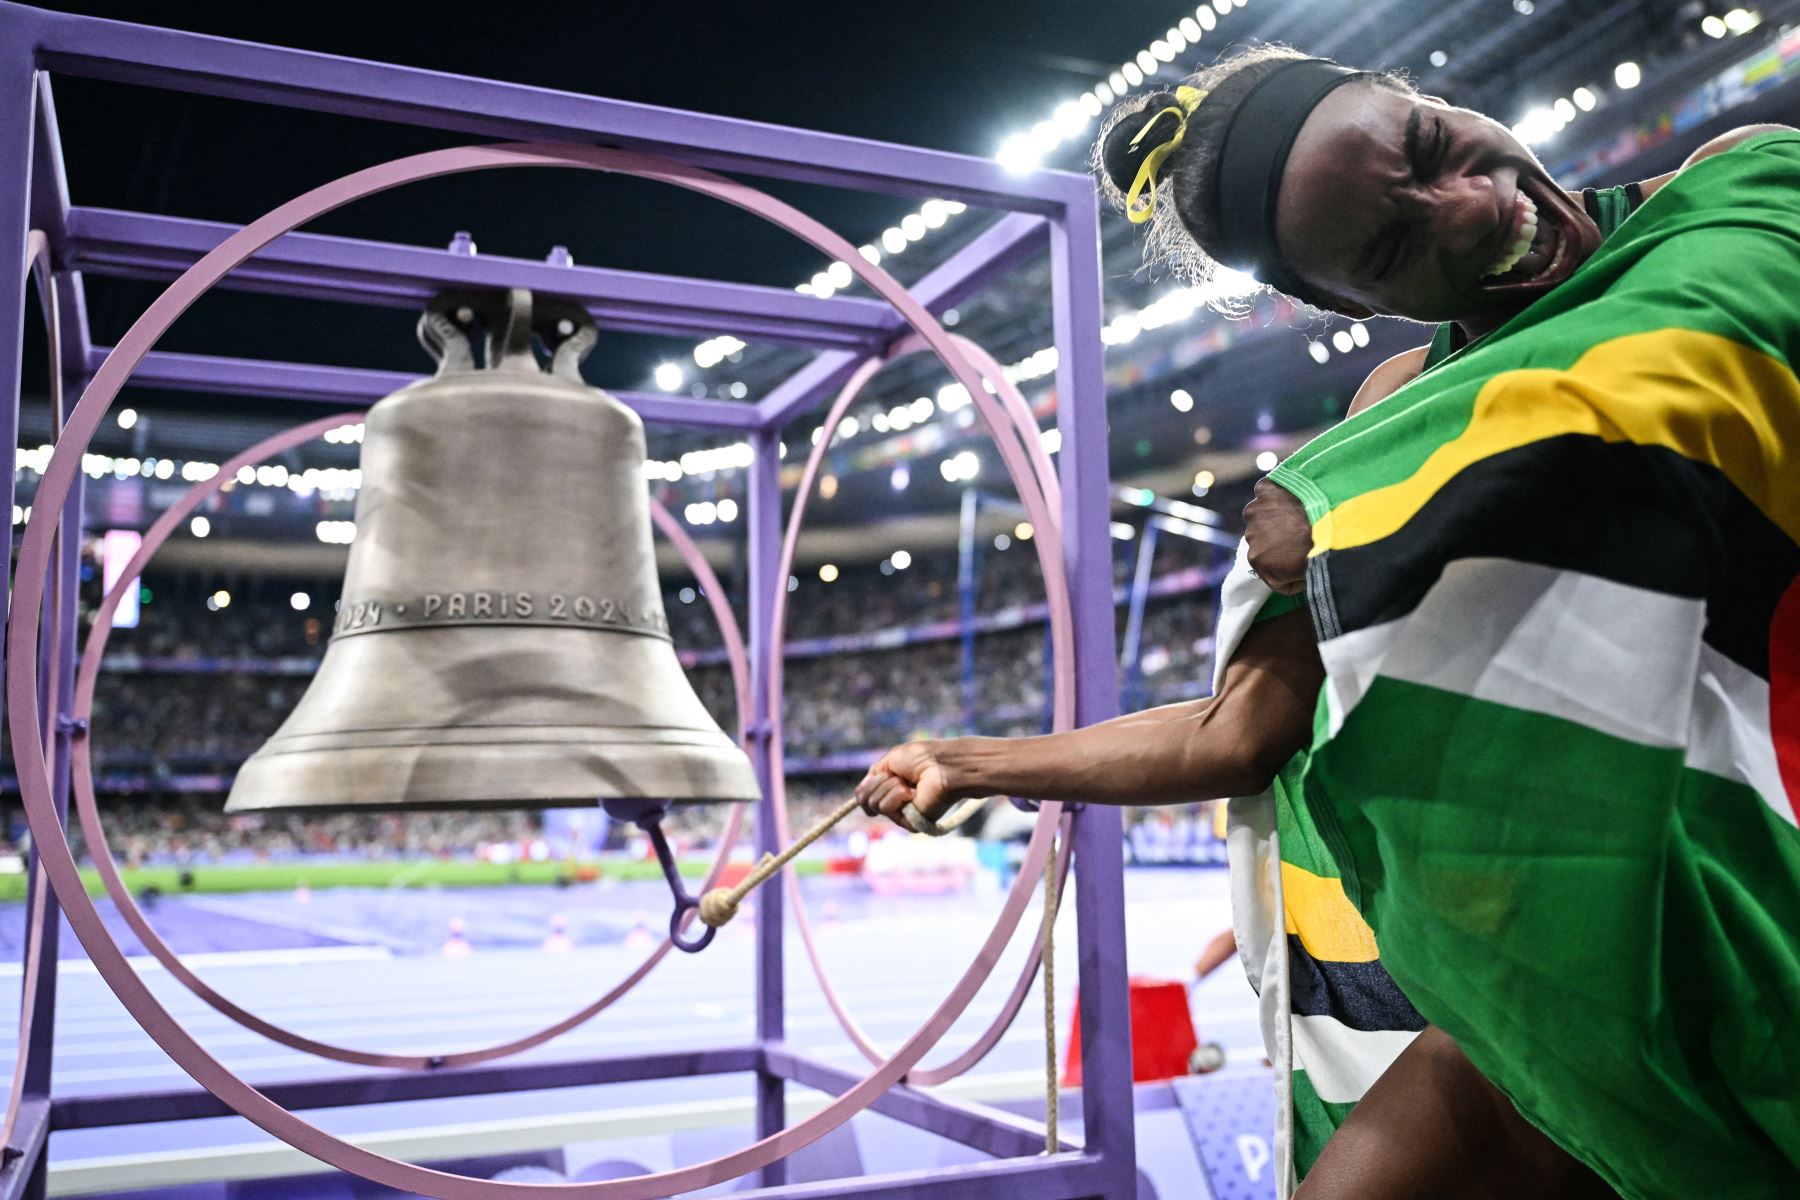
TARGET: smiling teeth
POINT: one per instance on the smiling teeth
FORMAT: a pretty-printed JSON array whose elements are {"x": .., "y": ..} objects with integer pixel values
[{"x": 1509, "y": 257}]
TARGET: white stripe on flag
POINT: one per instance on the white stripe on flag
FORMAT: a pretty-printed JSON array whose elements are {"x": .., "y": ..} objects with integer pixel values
[
  {"x": 1731, "y": 735},
  {"x": 1342, "y": 1063},
  {"x": 1622, "y": 660}
]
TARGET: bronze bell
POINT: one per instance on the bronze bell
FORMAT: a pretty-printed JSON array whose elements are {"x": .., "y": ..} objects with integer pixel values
[{"x": 501, "y": 638}]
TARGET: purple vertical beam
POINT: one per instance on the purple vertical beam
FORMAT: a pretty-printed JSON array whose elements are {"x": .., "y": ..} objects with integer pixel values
[
  {"x": 18, "y": 113},
  {"x": 765, "y": 564},
  {"x": 1087, "y": 551}
]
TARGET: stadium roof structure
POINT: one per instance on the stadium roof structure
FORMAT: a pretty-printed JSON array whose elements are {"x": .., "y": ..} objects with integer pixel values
[{"x": 961, "y": 77}]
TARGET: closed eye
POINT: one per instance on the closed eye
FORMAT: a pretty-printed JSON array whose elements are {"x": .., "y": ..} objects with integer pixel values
[{"x": 1430, "y": 151}]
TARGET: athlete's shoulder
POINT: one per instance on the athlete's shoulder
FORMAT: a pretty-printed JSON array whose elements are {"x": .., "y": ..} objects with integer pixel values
[
  {"x": 1389, "y": 377},
  {"x": 1712, "y": 148}
]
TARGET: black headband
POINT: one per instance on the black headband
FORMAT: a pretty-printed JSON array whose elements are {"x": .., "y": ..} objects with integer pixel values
[{"x": 1254, "y": 151}]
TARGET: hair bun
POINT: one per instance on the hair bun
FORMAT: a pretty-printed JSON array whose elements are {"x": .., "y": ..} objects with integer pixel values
[{"x": 1118, "y": 157}]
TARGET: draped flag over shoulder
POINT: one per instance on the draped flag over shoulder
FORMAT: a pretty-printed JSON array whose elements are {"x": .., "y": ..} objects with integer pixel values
[{"x": 1558, "y": 765}]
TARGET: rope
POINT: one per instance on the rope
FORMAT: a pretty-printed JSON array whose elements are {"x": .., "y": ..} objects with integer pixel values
[
  {"x": 1052, "y": 1090},
  {"x": 720, "y": 905}
]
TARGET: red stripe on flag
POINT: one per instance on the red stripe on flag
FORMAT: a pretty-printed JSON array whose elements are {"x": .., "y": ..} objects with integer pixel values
[{"x": 1784, "y": 690}]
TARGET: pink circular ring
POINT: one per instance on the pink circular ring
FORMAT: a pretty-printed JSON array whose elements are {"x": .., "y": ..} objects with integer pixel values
[
  {"x": 92, "y": 826},
  {"x": 24, "y": 701},
  {"x": 1041, "y": 493}
]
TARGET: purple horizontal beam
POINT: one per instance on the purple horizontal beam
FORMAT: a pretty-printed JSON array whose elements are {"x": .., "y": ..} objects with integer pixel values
[
  {"x": 358, "y": 387},
  {"x": 349, "y": 270},
  {"x": 30, "y": 1133},
  {"x": 220, "y": 67},
  {"x": 1000, "y": 248},
  {"x": 990, "y": 1131},
  {"x": 1064, "y": 1177},
  {"x": 187, "y": 1104}
]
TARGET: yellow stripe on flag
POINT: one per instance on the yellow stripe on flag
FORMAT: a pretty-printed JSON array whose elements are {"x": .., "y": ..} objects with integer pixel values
[
  {"x": 1706, "y": 397},
  {"x": 1327, "y": 924}
]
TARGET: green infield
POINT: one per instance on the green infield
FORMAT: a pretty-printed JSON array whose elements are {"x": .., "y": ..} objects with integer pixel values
[{"x": 415, "y": 873}]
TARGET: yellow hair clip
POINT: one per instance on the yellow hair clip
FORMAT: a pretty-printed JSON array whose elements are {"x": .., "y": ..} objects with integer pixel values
[{"x": 1140, "y": 202}]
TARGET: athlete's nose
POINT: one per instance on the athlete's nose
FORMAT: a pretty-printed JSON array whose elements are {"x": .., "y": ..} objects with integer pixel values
[{"x": 1461, "y": 210}]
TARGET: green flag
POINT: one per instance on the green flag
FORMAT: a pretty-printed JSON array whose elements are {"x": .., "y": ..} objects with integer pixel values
[{"x": 1558, "y": 758}]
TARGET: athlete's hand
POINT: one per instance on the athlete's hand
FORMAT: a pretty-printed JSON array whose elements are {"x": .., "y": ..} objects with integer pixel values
[
  {"x": 1279, "y": 536},
  {"x": 912, "y": 773}
]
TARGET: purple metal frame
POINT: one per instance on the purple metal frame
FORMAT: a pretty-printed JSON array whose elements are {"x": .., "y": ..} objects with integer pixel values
[{"x": 1046, "y": 208}]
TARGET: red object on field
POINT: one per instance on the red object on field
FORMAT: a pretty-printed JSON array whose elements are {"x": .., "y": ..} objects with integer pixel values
[
  {"x": 1162, "y": 1032},
  {"x": 734, "y": 873},
  {"x": 844, "y": 866}
]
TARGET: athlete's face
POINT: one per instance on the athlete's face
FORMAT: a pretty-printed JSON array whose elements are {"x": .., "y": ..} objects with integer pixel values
[{"x": 1402, "y": 205}]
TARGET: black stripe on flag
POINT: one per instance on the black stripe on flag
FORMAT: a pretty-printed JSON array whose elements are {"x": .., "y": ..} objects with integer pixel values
[
  {"x": 1642, "y": 516},
  {"x": 1359, "y": 994}
]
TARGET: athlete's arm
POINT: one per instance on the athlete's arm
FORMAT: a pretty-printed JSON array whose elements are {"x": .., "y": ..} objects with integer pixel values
[{"x": 1231, "y": 744}]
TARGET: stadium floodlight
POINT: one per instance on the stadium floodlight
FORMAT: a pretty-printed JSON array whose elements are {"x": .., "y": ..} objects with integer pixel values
[
  {"x": 127, "y": 418},
  {"x": 200, "y": 526},
  {"x": 1320, "y": 353},
  {"x": 1267, "y": 460},
  {"x": 901, "y": 560},
  {"x": 1584, "y": 99},
  {"x": 1628, "y": 75},
  {"x": 1340, "y": 341},
  {"x": 300, "y": 601},
  {"x": 1742, "y": 20},
  {"x": 669, "y": 376}
]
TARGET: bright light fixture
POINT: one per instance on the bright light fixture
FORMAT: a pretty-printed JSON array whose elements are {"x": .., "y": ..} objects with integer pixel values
[
  {"x": 669, "y": 376},
  {"x": 1267, "y": 460},
  {"x": 300, "y": 601},
  {"x": 200, "y": 526},
  {"x": 1627, "y": 75}
]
